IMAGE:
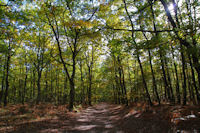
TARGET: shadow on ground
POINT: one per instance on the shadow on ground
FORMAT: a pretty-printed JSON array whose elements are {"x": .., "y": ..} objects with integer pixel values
[
  {"x": 109, "y": 118},
  {"x": 101, "y": 118}
]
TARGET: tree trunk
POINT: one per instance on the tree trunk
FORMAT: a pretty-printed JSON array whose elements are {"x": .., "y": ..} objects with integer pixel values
[
  {"x": 2, "y": 82},
  {"x": 177, "y": 79},
  {"x": 169, "y": 83},
  {"x": 65, "y": 90},
  {"x": 90, "y": 86},
  {"x": 116, "y": 81},
  {"x": 7, "y": 74},
  {"x": 184, "y": 77},
  {"x": 82, "y": 84},
  {"x": 194, "y": 80},
  {"x": 72, "y": 92},
  {"x": 144, "y": 81},
  {"x": 25, "y": 82},
  {"x": 167, "y": 92},
  {"x": 124, "y": 87},
  {"x": 38, "y": 87},
  {"x": 153, "y": 78}
]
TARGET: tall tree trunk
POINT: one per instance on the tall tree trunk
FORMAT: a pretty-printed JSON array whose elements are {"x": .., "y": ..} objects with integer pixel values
[
  {"x": 25, "y": 84},
  {"x": 72, "y": 94},
  {"x": 90, "y": 87},
  {"x": 184, "y": 77},
  {"x": 153, "y": 78},
  {"x": 51, "y": 85},
  {"x": 178, "y": 96},
  {"x": 38, "y": 86},
  {"x": 7, "y": 74},
  {"x": 31, "y": 86},
  {"x": 46, "y": 85},
  {"x": 2, "y": 82},
  {"x": 120, "y": 81},
  {"x": 169, "y": 83},
  {"x": 190, "y": 87},
  {"x": 194, "y": 80},
  {"x": 82, "y": 84},
  {"x": 124, "y": 87},
  {"x": 34, "y": 79},
  {"x": 65, "y": 90},
  {"x": 144, "y": 81},
  {"x": 116, "y": 81},
  {"x": 167, "y": 91}
]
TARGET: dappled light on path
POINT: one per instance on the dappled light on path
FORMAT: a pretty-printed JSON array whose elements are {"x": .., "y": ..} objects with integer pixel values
[{"x": 101, "y": 118}]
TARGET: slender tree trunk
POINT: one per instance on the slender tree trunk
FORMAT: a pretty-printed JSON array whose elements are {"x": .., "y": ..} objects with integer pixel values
[
  {"x": 82, "y": 84},
  {"x": 31, "y": 86},
  {"x": 190, "y": 87},
  {"x": 177, "y": 79},
  {"x": 130, "y": 83},
  {"x": 72, "y": 85},
  {"x": 116, "y": 81},
  {"x": 124, "y": 87},
  {"x": 46, "y": 86},
  {"x": 144, "y": 81},
  {"x": 38, "y": 86},
  {"x": 169, "y": 83},
  {"x": 7, "y": 74},
  {"x": 25, "y": 84},
  {"x": 51, "y": 84},
  {"x": 194, "y": 80},
  {"x": 153, "y": 78},
  {"x": 65, "y": 90},
  {"x": 56, "y": 86},
  {"x": 120, "y": 81},
  {"x": 34, "y": 79},
  {"x": 72, "y": 94},
  {"x": 167, "y": 92},
  {"x": 2, "y": 82},
  {"x": 184, "y": 77},
  {"x": 90, "y": 87}
]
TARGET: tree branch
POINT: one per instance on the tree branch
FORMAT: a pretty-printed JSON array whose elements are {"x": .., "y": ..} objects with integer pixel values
[
  {"x": 140, "y": 30},
  {"x": 92, "y": 14}
]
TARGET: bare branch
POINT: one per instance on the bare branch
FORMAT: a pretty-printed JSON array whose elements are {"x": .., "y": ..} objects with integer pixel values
[
  {"x": 92, "y": 14},
  {"x": 141, "y": 30}
]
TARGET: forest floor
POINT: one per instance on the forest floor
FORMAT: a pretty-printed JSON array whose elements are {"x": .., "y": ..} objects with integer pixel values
[{"x": 100, "y": 118}]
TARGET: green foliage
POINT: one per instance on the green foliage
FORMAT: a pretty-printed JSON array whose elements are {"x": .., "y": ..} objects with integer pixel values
[{"x": 97, "y": 38}]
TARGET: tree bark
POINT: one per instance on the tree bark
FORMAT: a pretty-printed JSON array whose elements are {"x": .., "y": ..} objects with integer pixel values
[
  {"x": 194, "y": 80},
  {"x": 177, "y": 79},
  {"x": 3, "y": 82},
  {"x": 153, "y": 78},
  {"x": 7, "y": 74},
  {"x": 144, "y": 81},
  {"x": 184, "y": 77}
]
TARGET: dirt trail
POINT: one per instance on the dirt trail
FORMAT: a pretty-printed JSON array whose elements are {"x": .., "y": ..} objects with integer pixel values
[
  {"x": 107, "y": 118},
  {"x": 100, "y": 118}
]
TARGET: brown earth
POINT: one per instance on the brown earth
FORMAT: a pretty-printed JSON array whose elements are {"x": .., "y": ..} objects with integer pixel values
[{"x": 100, "y": 118}]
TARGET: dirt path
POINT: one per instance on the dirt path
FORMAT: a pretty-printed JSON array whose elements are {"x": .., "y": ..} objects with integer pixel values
[
  {"x": 100, "y": 118},
  {"x": 104, "y": 118}
]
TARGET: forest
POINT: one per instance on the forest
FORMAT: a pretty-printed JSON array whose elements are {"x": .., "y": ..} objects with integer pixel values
[{"x": 126, "y": 66}]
